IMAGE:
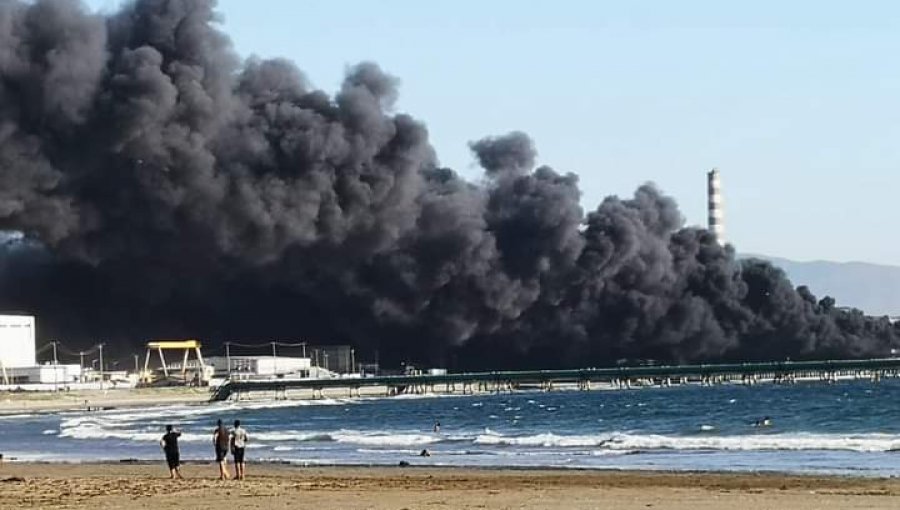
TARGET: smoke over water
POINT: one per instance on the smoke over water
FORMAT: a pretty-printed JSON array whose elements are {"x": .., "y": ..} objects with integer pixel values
[{"x": 165, "y": 188}]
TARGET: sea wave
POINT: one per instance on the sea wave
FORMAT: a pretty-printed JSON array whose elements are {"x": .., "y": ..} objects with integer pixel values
[
  {"x": 94, "y": 431},
  {"x": 540, "y": 440},
  {"x": 145, "y": 425},
  {"x": 759, "y": 442},
  {"x": 378, "y": 439}
]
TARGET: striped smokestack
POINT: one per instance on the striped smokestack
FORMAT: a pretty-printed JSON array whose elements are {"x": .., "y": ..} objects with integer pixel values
[{"x": 716, "y": 207}]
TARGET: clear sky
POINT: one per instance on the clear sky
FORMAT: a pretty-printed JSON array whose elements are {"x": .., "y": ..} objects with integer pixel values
[{"x": 797, "y": 103}]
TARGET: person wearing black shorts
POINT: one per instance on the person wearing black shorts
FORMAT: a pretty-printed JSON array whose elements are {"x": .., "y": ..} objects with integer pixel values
[
  {"x": 220, "y": 443},
  {"x": 169, "y": 444},
  {"x": 239, "y": 440}
]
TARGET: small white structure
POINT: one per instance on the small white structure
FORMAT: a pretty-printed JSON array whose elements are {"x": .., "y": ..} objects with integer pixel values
[
  {"x": 44, "y": 374},
  {"x": 260, "y": 366},
  {"x": 17, "y": 344}
]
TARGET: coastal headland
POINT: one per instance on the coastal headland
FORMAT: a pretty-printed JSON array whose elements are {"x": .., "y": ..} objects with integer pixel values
[{"x": 272, "y": 486}]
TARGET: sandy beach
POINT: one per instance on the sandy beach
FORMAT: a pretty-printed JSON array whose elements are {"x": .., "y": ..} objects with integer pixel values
[{"x": 102, "y": 486}]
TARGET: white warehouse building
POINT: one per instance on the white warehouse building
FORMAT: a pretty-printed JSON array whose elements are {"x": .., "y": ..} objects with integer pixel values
[
  {"x": 260, "y": 366},
  {"x": 44, "y": 374},
  {"x": 18, "y": 360},
  {"x": 17, "y": 344}
]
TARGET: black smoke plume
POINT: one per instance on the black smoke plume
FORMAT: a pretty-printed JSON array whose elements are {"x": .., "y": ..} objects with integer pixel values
[{"x": 154, "y": 185}]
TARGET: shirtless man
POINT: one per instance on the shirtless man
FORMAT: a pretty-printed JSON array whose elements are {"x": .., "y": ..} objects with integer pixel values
[{"x": 221, "y": 440}]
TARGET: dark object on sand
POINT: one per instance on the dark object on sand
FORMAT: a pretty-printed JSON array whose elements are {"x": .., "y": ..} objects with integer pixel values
[{"x": 403, "y": 463}]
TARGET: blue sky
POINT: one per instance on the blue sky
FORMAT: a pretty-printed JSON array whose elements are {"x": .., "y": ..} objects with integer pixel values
[{"x": 797, "y": 103}]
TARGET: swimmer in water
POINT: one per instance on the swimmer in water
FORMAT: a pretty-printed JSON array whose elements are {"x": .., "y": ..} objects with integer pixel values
[{"x": 765, "y": 422}]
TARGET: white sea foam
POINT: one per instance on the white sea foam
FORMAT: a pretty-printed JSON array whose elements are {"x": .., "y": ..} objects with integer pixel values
[
  {"x": 397, "y": 439},
  {"x": 607, "y": 453},
  {"x": 793, "y": 441},
  {"x": 387, "y": 451},
  {"x": 145, "y": 424},
  {"x": 81, "y": 428},
  {"x": 95, "y": 431},
  {"x": 16, "y": 416},
  {"x": 186, "y": 412},
  {"x": 540, "y": 440},
  {"x": 292, "y": 436},
  {"x": 759, "y": 442}
]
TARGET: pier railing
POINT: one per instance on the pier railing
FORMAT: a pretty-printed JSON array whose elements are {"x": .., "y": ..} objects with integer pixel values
[{"x": 781, "y": 370}]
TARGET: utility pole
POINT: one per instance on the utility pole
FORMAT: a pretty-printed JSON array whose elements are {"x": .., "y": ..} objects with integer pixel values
[
  {"x": 274, "y": 361},
  {"x": 55, "y": 368},
  {"x": 303, "y": 346},
  {"x": 228, "y": 359},
  {"x": 137, "y": 369},
  {"x": 101, "y": 365},
  {"x": 81, "y": 365},
  {"x": 352, "y": 361}
]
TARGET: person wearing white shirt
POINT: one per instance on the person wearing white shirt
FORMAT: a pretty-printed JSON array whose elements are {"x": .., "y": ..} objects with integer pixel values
[{"x": 239, "y": 439}]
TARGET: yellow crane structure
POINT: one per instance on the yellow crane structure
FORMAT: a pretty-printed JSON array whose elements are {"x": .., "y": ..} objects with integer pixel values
[{"x": 187, "y": 346}]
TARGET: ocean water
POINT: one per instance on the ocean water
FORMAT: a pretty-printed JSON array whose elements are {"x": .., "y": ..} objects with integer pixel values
[{"x": 843, "y": 428}]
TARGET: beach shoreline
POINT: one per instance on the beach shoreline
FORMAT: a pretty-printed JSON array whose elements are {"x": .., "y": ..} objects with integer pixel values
[
  {"x": 144, "y": 485},
  {"x": 21, "y": 402}
]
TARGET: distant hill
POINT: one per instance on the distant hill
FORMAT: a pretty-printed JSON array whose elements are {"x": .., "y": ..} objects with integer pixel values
[{"x": 873, "y": 288}]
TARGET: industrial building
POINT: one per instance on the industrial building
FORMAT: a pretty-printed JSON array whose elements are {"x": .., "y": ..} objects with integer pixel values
[
  {"x": 43, "y": 374},
  {"x": 17, "y": 344},
  {"x": 18, "y": 360},
  {"x": 243, "y": 367}
]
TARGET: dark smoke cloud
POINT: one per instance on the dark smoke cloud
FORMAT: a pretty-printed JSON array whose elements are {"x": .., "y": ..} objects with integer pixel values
[
  {"x": 165, "y": 188},
  {"x": 510, "y": 154}
]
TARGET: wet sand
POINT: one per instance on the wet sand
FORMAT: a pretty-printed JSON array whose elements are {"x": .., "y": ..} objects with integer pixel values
[{"x": 107, "y": 486}]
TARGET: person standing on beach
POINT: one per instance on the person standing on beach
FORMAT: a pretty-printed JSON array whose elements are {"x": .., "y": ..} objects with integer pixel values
[
  {"x": 169, "y": 444},
  {"x": 220, "y": 443},
  {"x": 239, "y": 439}
]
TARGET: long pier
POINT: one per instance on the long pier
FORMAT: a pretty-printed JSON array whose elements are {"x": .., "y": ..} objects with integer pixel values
[{"x": 624, "y": 376}]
